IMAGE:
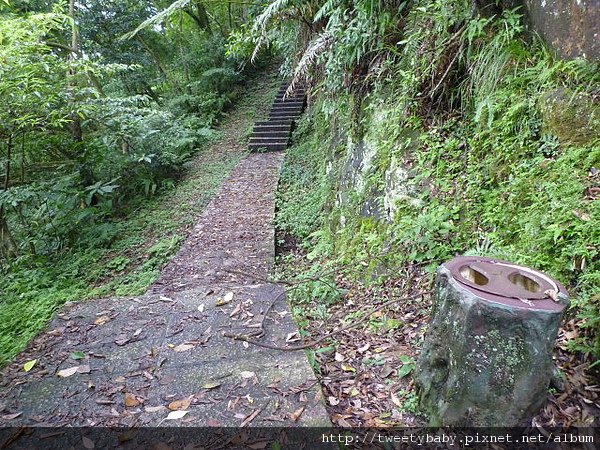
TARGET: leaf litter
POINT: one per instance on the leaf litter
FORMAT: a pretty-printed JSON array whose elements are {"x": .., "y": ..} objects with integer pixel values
[{"x": 380, "y": 391}]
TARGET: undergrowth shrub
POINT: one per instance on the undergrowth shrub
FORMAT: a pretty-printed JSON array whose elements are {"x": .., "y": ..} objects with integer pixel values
[
  {"x": 304, "y": 186},
  {"x": 490, "y": 175}
]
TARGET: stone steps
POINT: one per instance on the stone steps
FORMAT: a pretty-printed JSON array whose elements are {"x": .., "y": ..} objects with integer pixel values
[{"x": 275, "y": 133}]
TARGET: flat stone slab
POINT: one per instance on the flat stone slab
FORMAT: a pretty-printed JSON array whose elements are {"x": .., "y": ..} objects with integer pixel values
[
  {"x": 138, "y": 359},
  {"x": 154, "y": 350}
]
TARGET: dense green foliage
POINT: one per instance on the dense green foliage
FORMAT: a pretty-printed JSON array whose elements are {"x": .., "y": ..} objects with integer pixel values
[
  {"x": 498, "y": 142},
  {"x": 95, "y": 127}
]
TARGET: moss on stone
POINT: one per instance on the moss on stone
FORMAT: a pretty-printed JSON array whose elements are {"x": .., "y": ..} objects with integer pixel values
[{"x": 574, "y": 117}]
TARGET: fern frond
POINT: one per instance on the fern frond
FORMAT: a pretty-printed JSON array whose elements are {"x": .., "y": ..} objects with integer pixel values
[
  {"x": 157, "y": 18},
  {"x": 260, "y": 23},
  {"x": 258, "y": 46},
  {"x": 317, "y": 47},
  {"x": 325, "y": 10}
]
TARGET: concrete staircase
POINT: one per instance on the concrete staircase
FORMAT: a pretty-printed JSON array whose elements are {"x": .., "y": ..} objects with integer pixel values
[{"x": 275, "y": 133}]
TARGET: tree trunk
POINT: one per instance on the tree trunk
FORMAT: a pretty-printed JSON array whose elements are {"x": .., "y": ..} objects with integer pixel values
[
  {"x": 23, "y": 158},
  {"x": 200, "y": 16},
  {"x": 487, "y": 357},
  {"x": 229, "y": 16},
  {"x": 8, "y": 245},
  {"x": 76, "y": 131},
  {"x": 161, "y": 67},
  {"x": 9, "y": 148}
]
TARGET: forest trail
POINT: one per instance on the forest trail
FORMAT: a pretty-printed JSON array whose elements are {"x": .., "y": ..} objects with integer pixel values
[{"x": 133, "y": 361}]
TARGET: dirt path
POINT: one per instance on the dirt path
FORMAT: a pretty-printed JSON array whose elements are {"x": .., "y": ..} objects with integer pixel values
[{"x": 132, "y": 361}]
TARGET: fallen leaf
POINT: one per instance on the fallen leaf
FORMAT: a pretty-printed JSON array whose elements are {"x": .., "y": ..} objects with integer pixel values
[
  {"x": 152, "y": 409},
  {"x": 77, "y": 355},
  {"x": 395, "y": 400},
  {"x": 246, "y": 374},
  {"x": 236, "y": 310},
  {"x": 211, "y": 385},
  {"x": 161, "y": 446},
  {"x": 88, "y": 443},
  {"x": 67, "y": 372},
  {"x": 258, "y": 445},
  {"x": 293, "y": 337},
  {"x": 296, "y": 414},
  {"x": 348, "y": 368},
  {"x": 183, "y": 348},
  {"x": 11, "y": 416},
  {"x": 339, "y": 357},
  {"x": 343, "y": 423},
  {"x": 101, "y": 320},
  {"x": 250, "y": 418},
  {"x": 386, "y": 371},
  {"x": 130, "y": 400},
  {"x": 318, "y": 396},
  {"x": 239, "y": 439},
  {"x": 122, "y": 340},
  {"x": 201, "y": 308},
  {"x": 581, "y": 215},
  {"x": 176, "y": 415},
  {"x": 179, "y": 405},
  {"x": 333, "y": 401},
  {"x": 57, "y": 332},
  {"x": 120, "y": 379},
  {"x": 364, "y": 348},
  {"x": 85, "y": 368},
  {"x": 29, "y": 365},
  {"x": 226, "y": 299}
]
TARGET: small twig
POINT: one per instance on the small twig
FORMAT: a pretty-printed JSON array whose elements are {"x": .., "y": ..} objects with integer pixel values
[
  {"x": 252, "y": 416},
  {"x": 14, "y": 437},
  {"x": 451, "y": 64},
  {"x": 261, "y": 329},
  {"x": 326, "y": 336},
  {"x": 258, "y": 278}
]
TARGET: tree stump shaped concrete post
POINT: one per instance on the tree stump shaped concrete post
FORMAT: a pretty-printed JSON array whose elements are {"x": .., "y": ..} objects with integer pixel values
[{"x": 487, "y": 357}]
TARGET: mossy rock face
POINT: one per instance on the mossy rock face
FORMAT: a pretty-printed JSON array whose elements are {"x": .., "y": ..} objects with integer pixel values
[
  {"x": 484, "y": 363},
  {"x": 569, "y": 27},
  {"x": 573, "y": 117}
]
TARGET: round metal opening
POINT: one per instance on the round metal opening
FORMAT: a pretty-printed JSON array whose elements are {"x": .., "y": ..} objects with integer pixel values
[
  {"x": 474, "y": 276},
  {"x": 529, "y": 284}
]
